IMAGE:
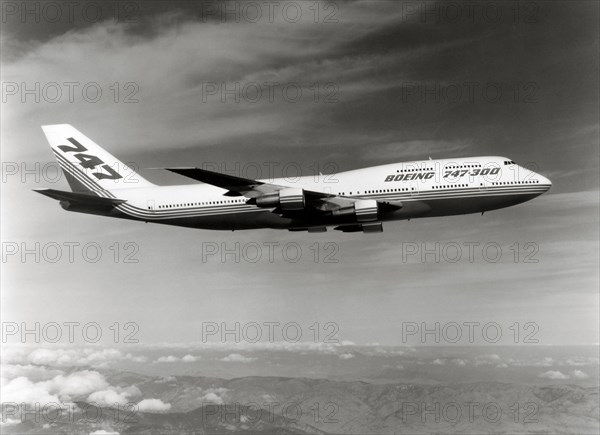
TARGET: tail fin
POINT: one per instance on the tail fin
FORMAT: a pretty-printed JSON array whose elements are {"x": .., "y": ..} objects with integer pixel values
[{"x": 88, "y": 167}]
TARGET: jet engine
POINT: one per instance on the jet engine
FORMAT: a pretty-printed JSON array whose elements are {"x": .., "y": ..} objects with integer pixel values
[
  {"x": 286, "y": 199},
  {"x": 364, "y": 210}
]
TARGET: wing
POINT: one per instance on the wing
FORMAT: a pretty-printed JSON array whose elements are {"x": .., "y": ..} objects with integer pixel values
[{"x": 238, "y": 186}]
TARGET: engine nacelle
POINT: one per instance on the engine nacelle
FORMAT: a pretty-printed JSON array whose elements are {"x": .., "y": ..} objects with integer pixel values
[
  {"x": 364, "y": 210},
  {"x": 286, "y": 199}
]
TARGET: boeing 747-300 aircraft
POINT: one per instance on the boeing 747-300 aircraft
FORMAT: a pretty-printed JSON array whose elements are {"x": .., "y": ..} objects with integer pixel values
[{"x": 357, "y": 200}]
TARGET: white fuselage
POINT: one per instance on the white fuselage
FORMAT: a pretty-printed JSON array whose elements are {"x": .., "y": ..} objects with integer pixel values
[{"x": 421, "y": 188}]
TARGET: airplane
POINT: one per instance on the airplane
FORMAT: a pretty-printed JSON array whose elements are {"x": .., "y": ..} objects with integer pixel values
[{"x": 359, "y": 200}]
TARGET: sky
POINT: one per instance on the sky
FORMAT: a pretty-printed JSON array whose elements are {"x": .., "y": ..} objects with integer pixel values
[{"x": 380, "y": 82}]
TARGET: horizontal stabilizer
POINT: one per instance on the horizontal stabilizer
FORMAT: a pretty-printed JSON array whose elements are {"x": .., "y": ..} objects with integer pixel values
[{"x": 80, "y": 198}]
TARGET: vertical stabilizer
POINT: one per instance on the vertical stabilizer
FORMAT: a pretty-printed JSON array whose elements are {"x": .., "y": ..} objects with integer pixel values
[{"x": 87, "y": 166}]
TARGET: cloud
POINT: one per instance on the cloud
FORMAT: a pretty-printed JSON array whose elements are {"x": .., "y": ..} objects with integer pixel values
[
  {"x": 104, "y": 432},
  {"x": 29, "y": 371},
  {"x": 9, "y": 421},
  {"x": 26, "y": 360},
  {"x": 378, "y": 350},
  {"x": 61, "y": 388},
  {"x": 212, "y": 398},
  {"x": 138, "y": 359},
  {"x": 76, "y": 384},
  {"x": 578, "y": 374},
  {"x": 172, "y": 358},
  {"x": 459, "y": 362},
  {"x": 439, "y": 362},
  {"x": 582, "y": 361},
  {"x": 167, "y": 359},
  {"x": 87, "y": 385},
  {"x": 165, "y": 379},
  {"x": 22, "y": 390},
  {"x": 284, "y": 346},
  {"x": 487, "y": 359},
  {"x": 346, "y": 356},
  {"x": 554, "y": 375},
  {"x": 544, "y": 362},
  {"x": 114, "y": 396},
  {"x": 68, "y": 357},
  {"x": 236, "y": 357},
  {"x": 246, "y": 54},
  {"x": 153, "y": 405},
  {"x": 108, "y": 398},
  {"x": 54, "y": 357},
  {"x": 214, "y": 395}
]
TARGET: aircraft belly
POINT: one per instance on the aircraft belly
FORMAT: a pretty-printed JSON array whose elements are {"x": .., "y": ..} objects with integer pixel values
[
  {"x": 231, "y": 221},
  {"x": 474, "y": 204}
]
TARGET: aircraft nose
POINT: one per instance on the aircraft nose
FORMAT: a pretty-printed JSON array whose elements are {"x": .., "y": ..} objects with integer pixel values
[{"x": 545, "y": 182}]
